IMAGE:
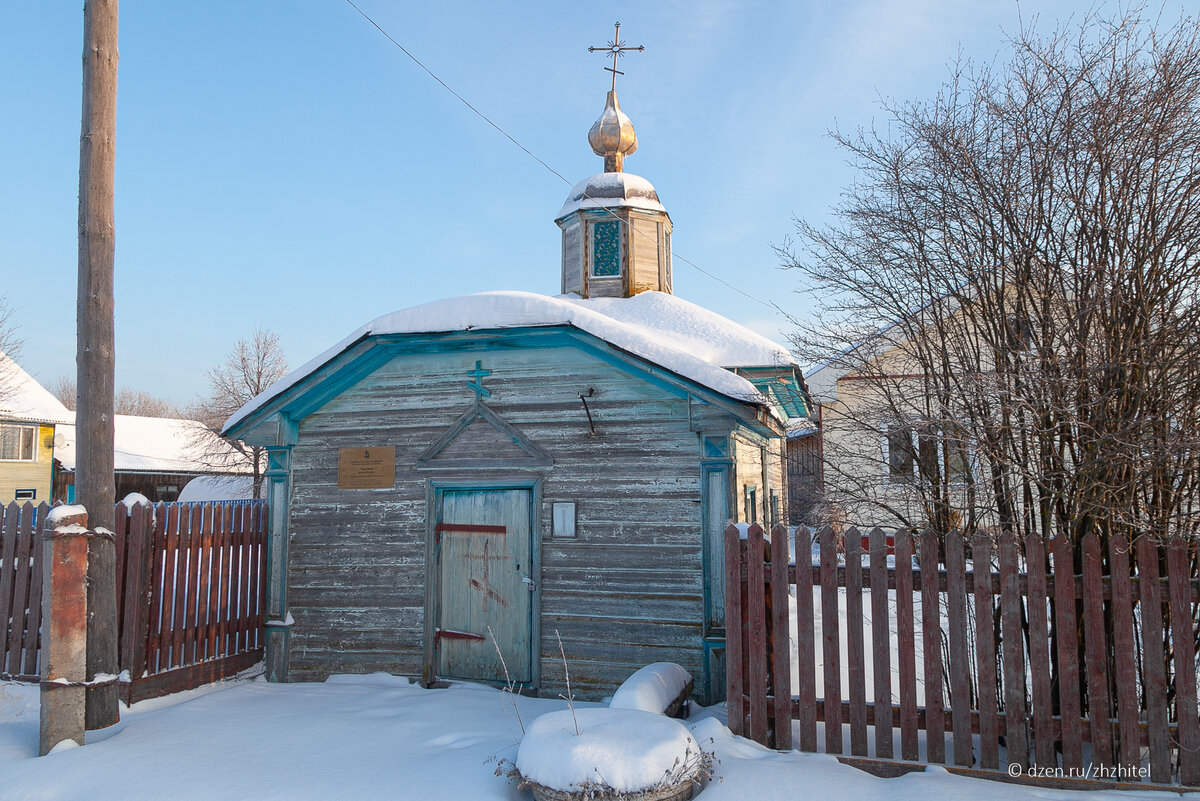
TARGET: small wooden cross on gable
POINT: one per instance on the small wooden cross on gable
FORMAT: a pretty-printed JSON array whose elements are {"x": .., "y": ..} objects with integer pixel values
[{"x": 477, "y": 385}]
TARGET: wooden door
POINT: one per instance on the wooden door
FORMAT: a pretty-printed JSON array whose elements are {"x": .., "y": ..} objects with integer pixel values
[{"x": 485, "y": 580}]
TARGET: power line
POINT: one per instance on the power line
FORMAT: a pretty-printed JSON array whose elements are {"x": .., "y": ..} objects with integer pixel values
[{"x": 770, "y": 305}]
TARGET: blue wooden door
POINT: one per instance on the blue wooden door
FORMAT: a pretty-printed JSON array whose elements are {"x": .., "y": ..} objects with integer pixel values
[{"x": 485, "y": 581}]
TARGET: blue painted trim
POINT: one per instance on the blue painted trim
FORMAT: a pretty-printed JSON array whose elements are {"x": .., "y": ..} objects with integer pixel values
[{"x": 367, "y": 355}]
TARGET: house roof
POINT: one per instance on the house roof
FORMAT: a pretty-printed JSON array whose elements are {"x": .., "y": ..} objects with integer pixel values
[
  {"x": 158, "y": 445},
  {"x": 23, "y": 399},
  {"x": 691, "y": 342}
]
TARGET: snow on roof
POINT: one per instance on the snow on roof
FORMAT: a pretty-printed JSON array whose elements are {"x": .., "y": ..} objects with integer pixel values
[
  {"x": 690, "y": 341},
  {"x": 611, "y": 190},
  {"x": 23, "y": 398},
  {"x": 158, "y": 445},
  {"x": 202, "y": 489}
]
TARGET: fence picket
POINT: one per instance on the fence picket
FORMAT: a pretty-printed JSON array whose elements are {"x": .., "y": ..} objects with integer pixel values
[
  {"x": 881, "y": 644},
  {"x": 756, "y": 646},
  {"x": 1154, "y": 668},
  {"x": 33, "y": 625},
  {"x": 1039, "y": 652},
  {"x": 1016, "y": 735},
  {"x": 781, "y": 649},
  {"x": 906, "y": 646},
  {"x": 985, "y": 652},
  {"x": 228, "y": 575},
  {"x": 1095, "y": 652},
  {"x": 856, "y": 666},
  {"x": 8, "y": 574},
  {"x": 1123, "y": 650},
  {"x": 931, "y": 639},
  {"x": 1183, "y": 634},
  {"x": 831, "y": 642},
  {"x": 805, "y": 637},
  {"x": 734, "y": 670},
  {"x": 20, "y": 596},
  {"x": 182, "y": 568},
  {"x": 1066, "y": 625},
  {"x": 960, "y": 651}
]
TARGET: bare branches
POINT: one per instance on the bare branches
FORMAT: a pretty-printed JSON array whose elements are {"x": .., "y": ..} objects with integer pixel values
[
  {"x": 250, "y": 367},
  {"x": 1017, "y": 269}
]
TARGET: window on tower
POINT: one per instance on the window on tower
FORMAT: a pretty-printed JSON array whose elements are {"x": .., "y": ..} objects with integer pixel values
[{"x": 606, "y": 248}]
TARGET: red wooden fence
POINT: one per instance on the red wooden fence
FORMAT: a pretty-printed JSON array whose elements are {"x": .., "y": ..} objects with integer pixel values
[
  {"x": 189, "y": 593},
  {"x": 1021, "y": 655}
]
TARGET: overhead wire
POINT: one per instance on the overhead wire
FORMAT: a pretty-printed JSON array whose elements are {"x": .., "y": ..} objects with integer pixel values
[{"x": 769, "y": 304}]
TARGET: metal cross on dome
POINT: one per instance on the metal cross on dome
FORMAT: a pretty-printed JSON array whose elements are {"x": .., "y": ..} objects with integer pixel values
[{"x": 617, "y": 48}]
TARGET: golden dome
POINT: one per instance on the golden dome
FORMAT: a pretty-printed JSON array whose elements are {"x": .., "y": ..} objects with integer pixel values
[{"x": 612, "y": 136}]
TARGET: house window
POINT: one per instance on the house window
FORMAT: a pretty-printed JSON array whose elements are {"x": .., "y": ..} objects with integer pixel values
[
  {"x": 606, "y": 248},
  {"x": 26, "y": 495},
  {"x": 910, "y": 453},
  {"x": 899, "y": 453},
  {"x": 751, "y": 503},
  {"x": 1018, "y": 333},
  {"x": 17, "y": 443}
]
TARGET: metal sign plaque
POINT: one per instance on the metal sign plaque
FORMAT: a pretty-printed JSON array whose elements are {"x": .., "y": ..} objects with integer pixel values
[{"x": 367, "y": 468}]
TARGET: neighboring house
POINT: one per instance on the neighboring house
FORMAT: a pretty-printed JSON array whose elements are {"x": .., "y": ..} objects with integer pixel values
[
  {"x": 521, "y": 467},
  {"x": 153, "y": 456},
  {"x": 29, "y": 415},
  {"x": 891, "y": 454}
]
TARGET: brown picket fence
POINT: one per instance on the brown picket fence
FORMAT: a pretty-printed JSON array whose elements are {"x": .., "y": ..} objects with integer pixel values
[
  {"x": 189, "y": 589},
  {"x": 1087, "y": 671}
]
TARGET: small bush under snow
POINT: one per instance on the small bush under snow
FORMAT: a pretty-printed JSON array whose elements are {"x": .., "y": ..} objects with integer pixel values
[
  {"x": 622, "y": 750},
  {"x": 652, "y": 688}
]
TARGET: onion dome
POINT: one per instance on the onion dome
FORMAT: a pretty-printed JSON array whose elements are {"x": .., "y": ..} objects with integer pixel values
[{"x": 612, "y": 136}]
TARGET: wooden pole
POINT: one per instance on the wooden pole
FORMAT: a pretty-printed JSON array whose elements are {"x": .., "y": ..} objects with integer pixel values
[
  {"x": 64, "y": 620},
  {"x": 95, "y": 358}
]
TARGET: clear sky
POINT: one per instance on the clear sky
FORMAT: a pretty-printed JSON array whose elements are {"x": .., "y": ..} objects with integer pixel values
[{"x": 280, "y": 163}]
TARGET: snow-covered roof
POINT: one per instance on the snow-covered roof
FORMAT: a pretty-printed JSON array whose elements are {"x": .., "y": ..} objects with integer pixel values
[
  {"x": 158, "y": 445},
  {"x": 688, "y": 340},
  {"x": 611, "y": 190},
  {"x": 23, "y": 399},
  {"x": 202, "y": 489}
]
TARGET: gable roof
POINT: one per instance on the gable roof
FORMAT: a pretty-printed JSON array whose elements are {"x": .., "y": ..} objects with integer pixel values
[
  {"x": 689, "y": 341},
  {"x": 23, "y": 399},
  {"x": 158, "y": 445}
]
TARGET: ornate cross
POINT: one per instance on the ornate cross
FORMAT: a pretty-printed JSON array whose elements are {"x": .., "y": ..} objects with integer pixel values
[
  {"x": 478, "y": 373},
  {"x": 617, "y": 48}
]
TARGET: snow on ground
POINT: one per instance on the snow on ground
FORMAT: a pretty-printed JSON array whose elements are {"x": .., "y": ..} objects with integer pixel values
[{"x": 379, "y": 737}]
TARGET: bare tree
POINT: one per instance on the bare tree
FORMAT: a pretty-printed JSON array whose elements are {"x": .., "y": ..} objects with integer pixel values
[
  {"x": 10, "y": 346},
  {"x": 1012, "y": 282},
  {"x": 252, "y": 366},
  {"x": 127, "y": 401}
]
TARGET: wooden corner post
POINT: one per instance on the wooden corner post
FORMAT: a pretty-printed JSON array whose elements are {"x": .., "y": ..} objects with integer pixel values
[{"x": 64, "y": 620}]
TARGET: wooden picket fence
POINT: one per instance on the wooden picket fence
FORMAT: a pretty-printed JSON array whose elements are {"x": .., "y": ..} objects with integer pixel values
[
  {"x": 1088, "y": 671},
  {"x": 189, "y": 593}
]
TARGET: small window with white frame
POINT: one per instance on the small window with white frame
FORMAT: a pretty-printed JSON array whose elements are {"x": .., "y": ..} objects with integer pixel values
[{"x": 18, "y": 443}]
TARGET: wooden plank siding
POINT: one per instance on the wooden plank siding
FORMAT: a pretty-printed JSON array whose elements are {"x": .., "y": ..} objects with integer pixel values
[{"x": 621, "y": 594}]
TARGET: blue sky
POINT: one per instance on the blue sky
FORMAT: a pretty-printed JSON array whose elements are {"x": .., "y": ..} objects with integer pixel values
[{"x": 280, "y": 163}]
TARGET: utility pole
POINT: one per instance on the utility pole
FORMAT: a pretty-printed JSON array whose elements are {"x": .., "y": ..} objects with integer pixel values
[{"x": 95, "y": 350}]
